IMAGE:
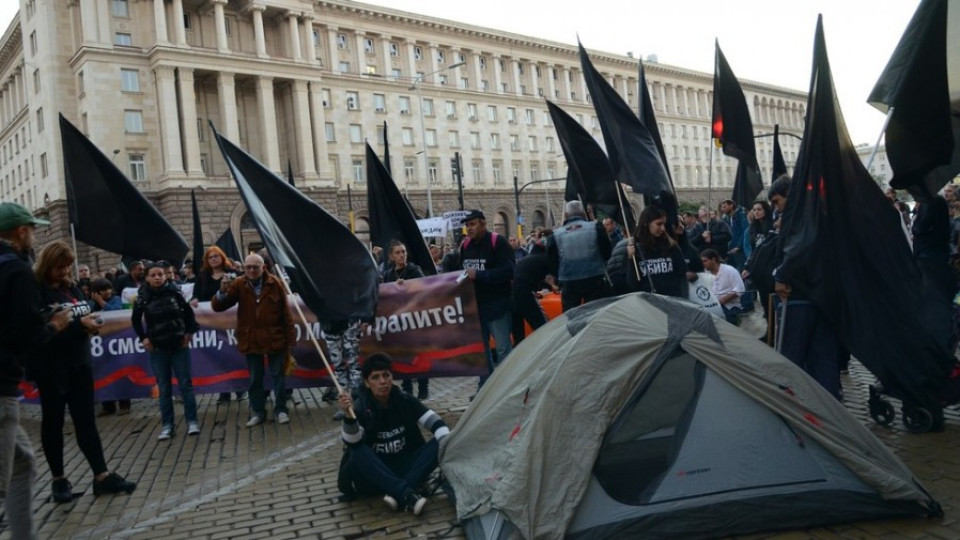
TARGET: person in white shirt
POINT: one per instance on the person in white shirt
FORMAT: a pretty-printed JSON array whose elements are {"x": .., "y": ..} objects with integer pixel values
[{"x": 727, "y": 284}]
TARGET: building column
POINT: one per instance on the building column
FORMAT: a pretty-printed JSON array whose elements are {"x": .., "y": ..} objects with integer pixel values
[
  {"x": 257, "y": 11},
  {"x": 455, "y": 53},
  {"x": 169, "y": 121},
  {"x": 564, "y": 85},
  {"x": 497, "y": 74},
  {"x": 267, "y": 119},
  {"x": 411, "y": 57},
  {"x": 385, "y": 41},
  {"x": 88, "y": 21},
  {"x": 582, "y": 84},
  {"x": 160, "y": 22},
  {"x": 179, "y": 31},
  {"x": 663, "y": 97},
  {"x": 227, "y": 97},
  {"x": 293, "y": 20},
  {"x": 188, "y": 129},
  {"x": 221, "y": 25},
  {"x": 318, "y": 123},
  {"x": 333, "y": 47},
  {"x": 434, "y": 65},
  {"x": 301, "y": 128},
  {"x": 361, "y": 55},
  {"x": 551, "y": 83},
  {"x": 309, "y": 48},
  {"x": 477, "y": 73},
  {"x": 515, "y": 65},
  {"x": 625, "y": 89}
]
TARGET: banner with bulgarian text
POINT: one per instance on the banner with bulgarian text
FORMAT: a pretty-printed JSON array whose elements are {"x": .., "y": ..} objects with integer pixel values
[{"x": 428, "y": 325}]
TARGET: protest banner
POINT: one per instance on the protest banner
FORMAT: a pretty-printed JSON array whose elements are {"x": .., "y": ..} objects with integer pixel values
[{"x": 429, "y": 326}]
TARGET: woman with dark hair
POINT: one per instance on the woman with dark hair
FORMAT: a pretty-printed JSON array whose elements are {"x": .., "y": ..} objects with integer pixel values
[
  {"x": 64, "y": 376},
  {"x": 761, "y": 223},
  {"x": 398, "y": 270},
  {"x": 657, "y": 257},
  {"x": 215, "y": 266}
]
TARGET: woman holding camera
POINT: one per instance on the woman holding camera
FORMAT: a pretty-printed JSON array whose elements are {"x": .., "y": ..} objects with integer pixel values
[
  {"x": 64, "y": 377},
  {"x": 215, "y": 267}
]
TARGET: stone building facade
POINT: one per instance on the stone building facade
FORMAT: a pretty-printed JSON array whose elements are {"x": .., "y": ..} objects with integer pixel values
[{"x": 306, "y": 83}]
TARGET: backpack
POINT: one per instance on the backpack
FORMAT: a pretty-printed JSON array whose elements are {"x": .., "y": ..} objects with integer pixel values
[
  {"x": 762, "y": 263},
  {"x": 493, "y": 241}
]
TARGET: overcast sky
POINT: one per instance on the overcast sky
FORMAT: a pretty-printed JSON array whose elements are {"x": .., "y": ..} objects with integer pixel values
[{"x": 764, "y": 40}]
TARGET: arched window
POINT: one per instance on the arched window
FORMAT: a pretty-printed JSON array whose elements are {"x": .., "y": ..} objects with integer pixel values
[
  {"x": 500, "y": 223},
  {"x": 539, "y": 220}
]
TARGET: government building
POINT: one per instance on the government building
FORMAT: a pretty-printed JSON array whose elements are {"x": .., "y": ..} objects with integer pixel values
[{"x": 306, "y": 83}]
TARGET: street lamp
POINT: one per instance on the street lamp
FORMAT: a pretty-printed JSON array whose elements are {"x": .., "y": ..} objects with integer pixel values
[{"x": 423, "y": 129}]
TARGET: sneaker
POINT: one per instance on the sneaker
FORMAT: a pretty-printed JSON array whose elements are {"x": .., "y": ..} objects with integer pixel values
[
  {"x": 255, "y": 420},
  {"x": 391, "y": 502},
  {"x": 193, "y": 428},
  {"x": 113, "y": 483},
  {"x": 283, "y": 418},
  {"x": 414, "y": 503},
  {"x": 224, "y": 398},
  {"x": 165, "y": 433},
  {"x": 339, "y": 415},
  {"x": 423, "y": 394},
  {"x": 62, "y": 491}
]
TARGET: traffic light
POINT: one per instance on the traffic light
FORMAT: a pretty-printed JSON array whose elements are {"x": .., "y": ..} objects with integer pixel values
[{"x": 455, "y": 167}]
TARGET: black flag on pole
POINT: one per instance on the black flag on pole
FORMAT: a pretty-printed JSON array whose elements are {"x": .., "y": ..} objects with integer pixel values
[
  {"x": 631, "y": 149},
  {"x": 734, "y": 129},
  {"x": 332, "y": 270},
  {"x": 107, "y": 211},
  {"x": 391, "y": 217},
  {"x": 228, "y": 244},
  {"x": 589, "y": 178},
  {"x": 779, "y": 165},
  {"x": 386, "y": 150},
  {"x": 648, "y": 118},
  {"x": 843, "y": 247},
  {"x": 290, "y": 174},
  {"x": 923, "y": 136},
  {"x": 197, "y": 235}
]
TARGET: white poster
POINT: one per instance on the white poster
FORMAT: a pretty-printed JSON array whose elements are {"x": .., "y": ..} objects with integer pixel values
[{"x": 433, "y": 227}]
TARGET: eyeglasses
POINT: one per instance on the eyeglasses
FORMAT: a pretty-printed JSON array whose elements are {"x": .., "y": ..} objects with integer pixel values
[{"x": 251, "y": 266}]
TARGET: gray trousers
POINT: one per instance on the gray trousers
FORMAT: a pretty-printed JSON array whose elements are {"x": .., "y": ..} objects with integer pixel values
[{"x": 18, "y": 471}]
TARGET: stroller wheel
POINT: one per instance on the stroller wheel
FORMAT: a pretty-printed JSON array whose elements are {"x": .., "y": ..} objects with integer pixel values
[
  {"x": 882, "y": 412},
  {"x": 917, "y": 419}
]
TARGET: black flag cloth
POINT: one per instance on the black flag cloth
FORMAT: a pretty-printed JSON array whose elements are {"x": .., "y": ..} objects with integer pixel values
[
  {"x": 589, "y": 178},
  {"x": 734, "y": 129},
  {"x": 107, "y": 210},
  {"x": 632, "y": 152},
  {"x": 649, "y": 119},
  {"x": 923, "y": 136},
  {"x": 290, "y": 174},
  {"x": 228, "y": 244},
  {"x": 843, "y": 247},
  {"x": 197, "y": 235},
  {"x": 332, "y": 270},
  {"x": 391, "y": 217},
  {"x": 779, "y": 165}
]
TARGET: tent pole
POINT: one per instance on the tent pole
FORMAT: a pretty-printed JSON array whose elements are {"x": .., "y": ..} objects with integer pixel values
[
  {"x": 886, "y": 122},
  {"x": 781, "y": 327},
  {"x": 313, "y": 338}
]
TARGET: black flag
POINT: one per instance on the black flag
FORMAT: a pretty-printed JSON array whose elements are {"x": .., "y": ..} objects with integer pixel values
[
  {"x": 228, "y": 244},
  {"x": 290, "y": 174},
  {"x": 843, "y": 247},
  {"x": 197, "y": 235},
  {"x": 332, "y": 270},
  {"x": 734, "y": 129},
  {"x": 779, "y": 165},
  {"x": 386, "y": 151},
  {"x": 589, "y": 178},
  {"x": 923, "y": 136},
  {"x": 648, "y": 118},
  {"x": 631, "y": 149},
  {"x": 107, "y": 210},
  {"x": 391, "y": 217}
]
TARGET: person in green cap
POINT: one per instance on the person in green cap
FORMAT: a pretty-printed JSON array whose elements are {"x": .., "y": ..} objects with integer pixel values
[{"x": 22, "y": 329}]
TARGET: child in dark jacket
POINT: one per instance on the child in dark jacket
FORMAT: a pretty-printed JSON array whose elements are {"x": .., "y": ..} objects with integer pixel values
[{"x": 170, "y": 326}]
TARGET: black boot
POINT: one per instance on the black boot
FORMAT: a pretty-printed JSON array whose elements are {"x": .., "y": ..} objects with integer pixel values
[
  {"x": 112, "y": 483},
  {"x": 62, "y": 490}
]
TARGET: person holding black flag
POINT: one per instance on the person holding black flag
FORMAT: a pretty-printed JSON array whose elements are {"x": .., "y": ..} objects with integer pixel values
[
  {"x": 64, "y": 376},
  {"x": 22, "y": 328}
]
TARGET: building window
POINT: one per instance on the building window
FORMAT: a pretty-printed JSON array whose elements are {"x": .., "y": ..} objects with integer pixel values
[
  {"x": 492, "y": 113},
  {"x": 138, "y": 167},
  {"x": 357, "y": 164},
  {"x": 186, "y": 21},
  {"x": 330, "y": 131},
  {"x": 316, "y": 37},
  {"x": 418, "y": 53},
  {"x": 122, "y": 38},
  {"x": 200, "y": 131},
  {"x": 441, "y": 58},
  {"x": 550, "y": 146},
  {"x": 80, "y": 90},
  {"x": 204, "y": 163},
  {"x": 407, "y": 136},
  {"x": 353, "y": 101},
  {"x": 453, "y": 137},
  {"x": 451, "y": 109},
  {"x": 129, "y": 80},
  {"x": 325, "y": 94},
  {"x": 344, "y": 67},
  {"x": 483, "y": 63},
  {"x": 33, "y": 43},
  {"x": 442, "y": 79},
  {"x": 505, "y": 88},
  {"x": 514, "y": 143},
  {"x": 404, "y": 105},
  {"x": 495, "y": 141},
  {"x": 428, "y": 107},
  {"x": 409, "y": 171},
  {"x": 475, "y": 140},
  {"x": 40, "y": 120},
  {"x": 341, "y": 41},
  {"x": 432, "y": 171},
  {"x": 530, "y": 117},
  {"x": 368, "y": 46},
  {"x": 226, "y": 25},
  {"x": 532, "y": 143},
  {"x": 546, "y": 118},
  {"x": 396, "y": 73},
  {"x": 495, "y": 171},
  {"x": 477, "y": 171},
  {"x": 511, "y": 115},
  {"x": 334, "y": 165},
  {"x": 133, "y": 121},
  {"x": 431, "y": 137},
  {"x": 534, "y": 172},
  {"x": 472, "y": 112},
  {"x": 43, "y": 165},
  {"x": 36, "y": 81},
  {"x": 394, "y": 49},
  {"x": 464, "y": 83},
  {"x": 379, "y": 103},
  {"x": 120, "y": 8},
  {"x": 485, "y": 86},
  {"x": 356, "y": 134}
]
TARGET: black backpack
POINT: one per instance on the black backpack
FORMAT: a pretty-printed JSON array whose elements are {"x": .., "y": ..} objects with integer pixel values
[{"x": 762, "y": 263}]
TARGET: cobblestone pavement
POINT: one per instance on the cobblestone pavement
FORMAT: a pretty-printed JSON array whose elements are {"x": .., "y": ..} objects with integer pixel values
[{"x": 279, "y": 481}]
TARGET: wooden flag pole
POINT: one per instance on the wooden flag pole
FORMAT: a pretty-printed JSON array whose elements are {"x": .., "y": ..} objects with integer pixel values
[
  {"x": 313, "y": 338},
  {"x": 636, "y": 248},
  {"x": 886, "y": 122}
]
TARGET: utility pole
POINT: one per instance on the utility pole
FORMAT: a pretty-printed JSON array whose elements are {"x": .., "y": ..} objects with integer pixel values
[{"x": 458, "y": 167}]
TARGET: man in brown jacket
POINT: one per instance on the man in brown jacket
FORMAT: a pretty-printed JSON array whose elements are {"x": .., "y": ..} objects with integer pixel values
[{"x": 264, "y": 328}]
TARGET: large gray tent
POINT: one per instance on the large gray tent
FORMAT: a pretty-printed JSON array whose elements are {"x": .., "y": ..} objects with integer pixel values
[{"x": 644, "y": 416}]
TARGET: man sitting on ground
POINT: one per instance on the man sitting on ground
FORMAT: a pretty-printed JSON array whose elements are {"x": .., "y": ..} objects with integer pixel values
[
  {"x": 387, "y": 453},
  {"x": 727, "y": 284}
]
